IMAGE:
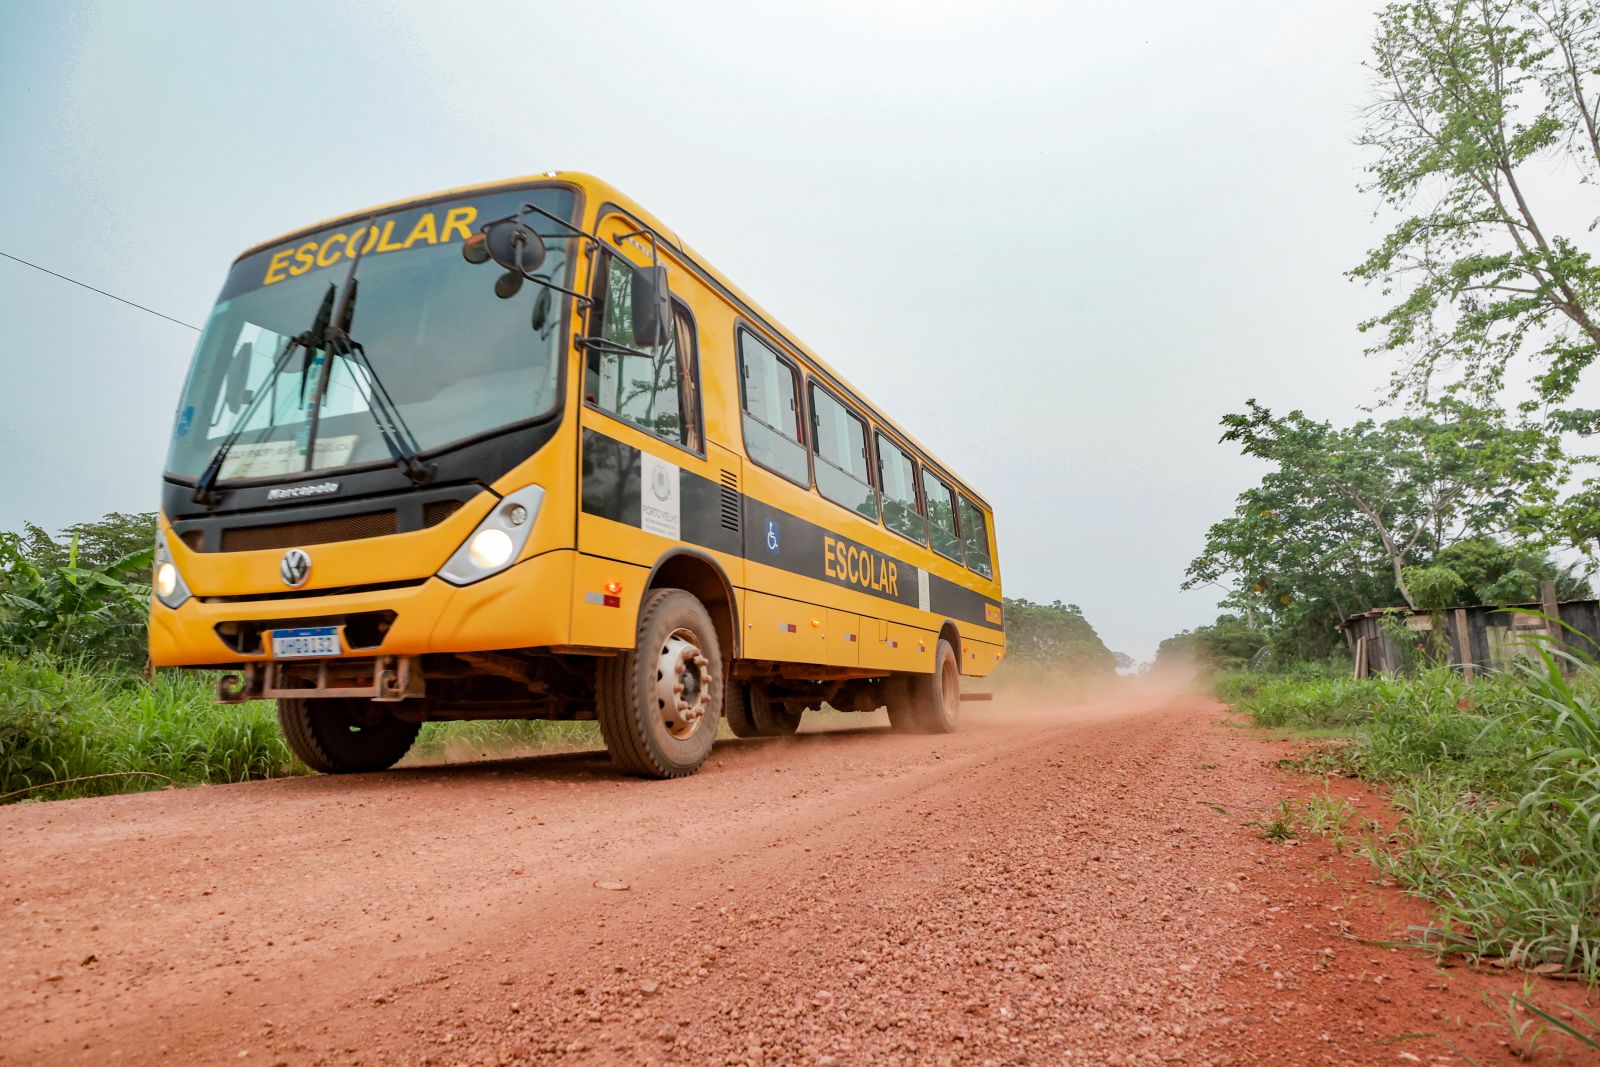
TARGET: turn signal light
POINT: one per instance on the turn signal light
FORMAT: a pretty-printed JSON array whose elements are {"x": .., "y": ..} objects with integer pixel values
[{"x": 614, "y": 588}]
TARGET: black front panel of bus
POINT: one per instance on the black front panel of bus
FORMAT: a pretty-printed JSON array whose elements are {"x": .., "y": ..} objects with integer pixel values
[{"x": 474, "y": 464}]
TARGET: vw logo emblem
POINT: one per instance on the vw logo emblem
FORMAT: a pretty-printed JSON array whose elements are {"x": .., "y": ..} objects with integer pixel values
[{"x": 295, "y": 568}]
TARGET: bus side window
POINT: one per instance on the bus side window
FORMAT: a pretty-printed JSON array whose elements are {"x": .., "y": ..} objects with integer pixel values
[
  {"x": 975, "y": 537},
  {"x": 941, "y": 516},
  {"x": 770, "y": 389},
  {"x": 898, "y": 476},
  {"x": 839, "y": 440},
  {"x": 656, "y": 389}
]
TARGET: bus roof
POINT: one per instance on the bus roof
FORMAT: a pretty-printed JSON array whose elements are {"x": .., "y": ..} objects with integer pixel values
[{"x": 605, "y": 192}]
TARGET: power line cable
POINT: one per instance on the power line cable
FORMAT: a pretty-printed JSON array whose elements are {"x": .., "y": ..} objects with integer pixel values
[{"x": 102, "y": 292}]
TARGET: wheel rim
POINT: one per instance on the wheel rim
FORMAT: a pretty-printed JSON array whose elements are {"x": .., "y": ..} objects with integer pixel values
[
  {"x": 683, "y": 684},
  {"x": 950, "y": 689}
]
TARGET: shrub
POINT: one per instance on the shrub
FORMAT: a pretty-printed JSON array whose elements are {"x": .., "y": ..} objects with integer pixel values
[
  {"x": 61, "y": 723},
  {"x": 1499, "y": 784},
  {"x": 54, "y": 602}
]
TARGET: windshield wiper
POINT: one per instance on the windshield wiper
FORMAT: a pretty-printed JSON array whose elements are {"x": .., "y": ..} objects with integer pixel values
[
  {"x": 397, "y": 436},
  {"x": 309, "y": 341}
]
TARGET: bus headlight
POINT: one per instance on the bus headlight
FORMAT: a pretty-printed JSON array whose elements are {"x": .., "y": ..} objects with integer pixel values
[
  {"x": 498, "y": 540},
  {"x": 170, "y": 588},
  {"x": 489, "y": 549}
]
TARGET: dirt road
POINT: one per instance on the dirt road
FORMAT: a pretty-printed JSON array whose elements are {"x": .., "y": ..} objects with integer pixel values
[{"x": 1069, "y": 886}]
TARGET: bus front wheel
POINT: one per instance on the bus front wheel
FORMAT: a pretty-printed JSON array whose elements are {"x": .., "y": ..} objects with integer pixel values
[
  {"x": 341, "y": 735},
  {"x": 929, "y": 703},
  {"x": 659, "y": 704}
]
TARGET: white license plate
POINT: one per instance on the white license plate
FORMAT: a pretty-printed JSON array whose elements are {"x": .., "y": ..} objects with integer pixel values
[{"x": 307, "y": 642}]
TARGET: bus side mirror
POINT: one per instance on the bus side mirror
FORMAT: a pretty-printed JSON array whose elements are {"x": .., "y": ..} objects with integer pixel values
[
  {"x": 652, "y": 310},
  {"x": 509, "y": 243},
  {"x": 235, "y": 394}
]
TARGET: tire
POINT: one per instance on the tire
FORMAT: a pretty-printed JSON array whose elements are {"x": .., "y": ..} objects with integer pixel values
[
  {"x": 644, "y": 734},
  {"x": 751, "y": 708},
  {"x": 930, "y": 703},
  {"x": 344, "y": 735},
  {"x": 736, "y": 710}
]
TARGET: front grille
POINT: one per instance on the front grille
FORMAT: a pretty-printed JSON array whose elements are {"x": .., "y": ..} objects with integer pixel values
[
  {"x": 325, "y": 522},
  {"x": 439, "y": 510},
  {"x": 309, "y": 532}
]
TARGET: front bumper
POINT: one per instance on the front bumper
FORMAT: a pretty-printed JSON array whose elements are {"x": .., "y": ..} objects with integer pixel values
[{"x": 527, "y": 606}]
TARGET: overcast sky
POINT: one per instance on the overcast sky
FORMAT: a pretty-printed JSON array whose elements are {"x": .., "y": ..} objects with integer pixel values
[{"x": 1056, "y": 241}]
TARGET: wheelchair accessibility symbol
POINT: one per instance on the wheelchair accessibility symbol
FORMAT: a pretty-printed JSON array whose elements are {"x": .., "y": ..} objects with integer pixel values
[{"x": 772, "y": 535}]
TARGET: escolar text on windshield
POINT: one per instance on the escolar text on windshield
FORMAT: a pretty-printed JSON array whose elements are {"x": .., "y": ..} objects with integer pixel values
[{"x": 431, "y": 228}]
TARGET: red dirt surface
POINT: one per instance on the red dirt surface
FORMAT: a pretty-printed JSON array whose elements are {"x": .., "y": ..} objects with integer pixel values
[{"x": 1068, "y": 886}]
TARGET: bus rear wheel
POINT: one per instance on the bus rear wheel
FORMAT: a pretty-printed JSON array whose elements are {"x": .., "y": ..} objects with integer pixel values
[
  {"x": 930, "y": 703},
  {"x": 344, "y": 735},
  {"x": 659, "y": 704},
  {"x": 751, "y": 712}
]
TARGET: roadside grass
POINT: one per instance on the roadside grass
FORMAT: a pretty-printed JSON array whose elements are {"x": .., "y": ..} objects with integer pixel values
[
  {"x": 492, "y": 737},
  {"x": 1580, "y": 1027},
  {"x": 1232, "y": 687},
  {"x": 74, "y": 730},
  {"x": 1499, "y": 789},
  {"x": 85, "y": 729},
  {"x": 1307, "y": 702},
  {"x": 1323, "y": 815}
]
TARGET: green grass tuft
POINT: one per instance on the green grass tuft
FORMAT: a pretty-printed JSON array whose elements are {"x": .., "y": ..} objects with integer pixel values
[
  {"x": 462, "y": 740},
  {"x": 1499, "y": 786},
  {"x": 84, "y": 730},
  {"x": 59, "y": 724}
]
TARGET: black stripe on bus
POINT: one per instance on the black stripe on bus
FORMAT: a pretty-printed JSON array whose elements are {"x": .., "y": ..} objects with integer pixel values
[{"x": 611, "y": 490}]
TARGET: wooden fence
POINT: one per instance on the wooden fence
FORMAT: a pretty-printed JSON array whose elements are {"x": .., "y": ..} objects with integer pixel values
[{"x": 1494, "y": 636}]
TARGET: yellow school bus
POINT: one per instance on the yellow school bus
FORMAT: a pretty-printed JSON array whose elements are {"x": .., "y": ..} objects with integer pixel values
[{"x": 516, "y": 451}]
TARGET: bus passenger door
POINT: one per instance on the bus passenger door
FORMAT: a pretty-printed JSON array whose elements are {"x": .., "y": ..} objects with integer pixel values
[{"x": 651, "y": 481}]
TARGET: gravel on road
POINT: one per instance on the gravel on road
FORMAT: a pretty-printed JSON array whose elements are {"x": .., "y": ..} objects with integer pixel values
[{"x": 1067, "y": 885}]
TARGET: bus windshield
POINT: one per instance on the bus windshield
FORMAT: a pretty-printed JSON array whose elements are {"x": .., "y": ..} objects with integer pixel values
[{"x": 456, "y": 359}]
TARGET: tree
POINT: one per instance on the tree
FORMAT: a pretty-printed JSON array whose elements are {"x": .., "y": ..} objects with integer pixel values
[
  {"x": 1479, "y": 103},
  {"x": 100, "y": 543},
  {"x": 1227, "y": 644},
  {"x": 1055, "y": 635},
  {"x": 1398, "y": 491},
  {"x": 1501, "y": 574},
  {"x": 1293, "y": 563},
  {"x": 76, "y": 597}
]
